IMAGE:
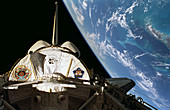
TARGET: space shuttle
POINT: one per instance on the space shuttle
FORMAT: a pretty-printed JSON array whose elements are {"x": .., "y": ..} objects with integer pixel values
[{"x": 52, "y": 77}]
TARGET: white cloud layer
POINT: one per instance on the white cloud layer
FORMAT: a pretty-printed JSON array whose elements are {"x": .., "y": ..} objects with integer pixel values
[
  {"x": 119, "y": 17},
  {"x": 145, "y": 83},
  {"x": 78, "y": 12},
  {"x": 104, "y": 48}
]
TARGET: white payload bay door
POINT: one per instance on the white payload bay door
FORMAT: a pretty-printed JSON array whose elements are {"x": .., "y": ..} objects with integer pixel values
[{"x": 36, "y": 65}]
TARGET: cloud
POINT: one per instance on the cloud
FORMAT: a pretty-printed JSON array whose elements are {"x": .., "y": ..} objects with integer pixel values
[
  {"x": 78, "y": 12},
  {"x": 160, "y": 64},
  {"x": 90, "y": 12},
  {"x": 145, "y": 83},
  {"x": 119, "y": 17},
  {"x": 130, "y": 9},
  {"x": 121, "y": 57},
  {"x": 137, "y": 56},
  {"x": 105, "y": 48},
  {"x": 158, "y": 74},
  {"x": 84, "y": 5},
  {"x": 124, "y": 58}
]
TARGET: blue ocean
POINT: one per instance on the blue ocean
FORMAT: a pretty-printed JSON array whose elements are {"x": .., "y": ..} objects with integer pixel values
[{"x": 131, "y": 38}]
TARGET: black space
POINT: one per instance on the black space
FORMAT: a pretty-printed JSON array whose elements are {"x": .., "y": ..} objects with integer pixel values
[{"x": 25, "y": 22}]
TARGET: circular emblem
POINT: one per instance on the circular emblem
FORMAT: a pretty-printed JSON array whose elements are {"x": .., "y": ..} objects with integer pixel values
[
  {"x": 22, "y": 73},
  {"x": 78, "y": 73}
]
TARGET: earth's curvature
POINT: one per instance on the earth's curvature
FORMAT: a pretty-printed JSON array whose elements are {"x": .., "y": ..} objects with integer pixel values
[{"x": 131, "y": 38}]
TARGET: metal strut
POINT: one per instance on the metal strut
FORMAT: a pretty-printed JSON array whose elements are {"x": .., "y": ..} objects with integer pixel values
[
  {"x": 88, "y": 101},
  {"x": 55, "y": 27}
]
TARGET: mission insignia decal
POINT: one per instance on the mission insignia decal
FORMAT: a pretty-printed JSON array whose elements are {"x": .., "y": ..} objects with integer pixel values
[
  {"x": 21, "y": 73},
  {"x": 78, "y": 73}
]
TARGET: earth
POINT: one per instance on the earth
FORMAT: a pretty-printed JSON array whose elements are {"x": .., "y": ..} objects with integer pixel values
[{"x": 131, "y": 38}]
